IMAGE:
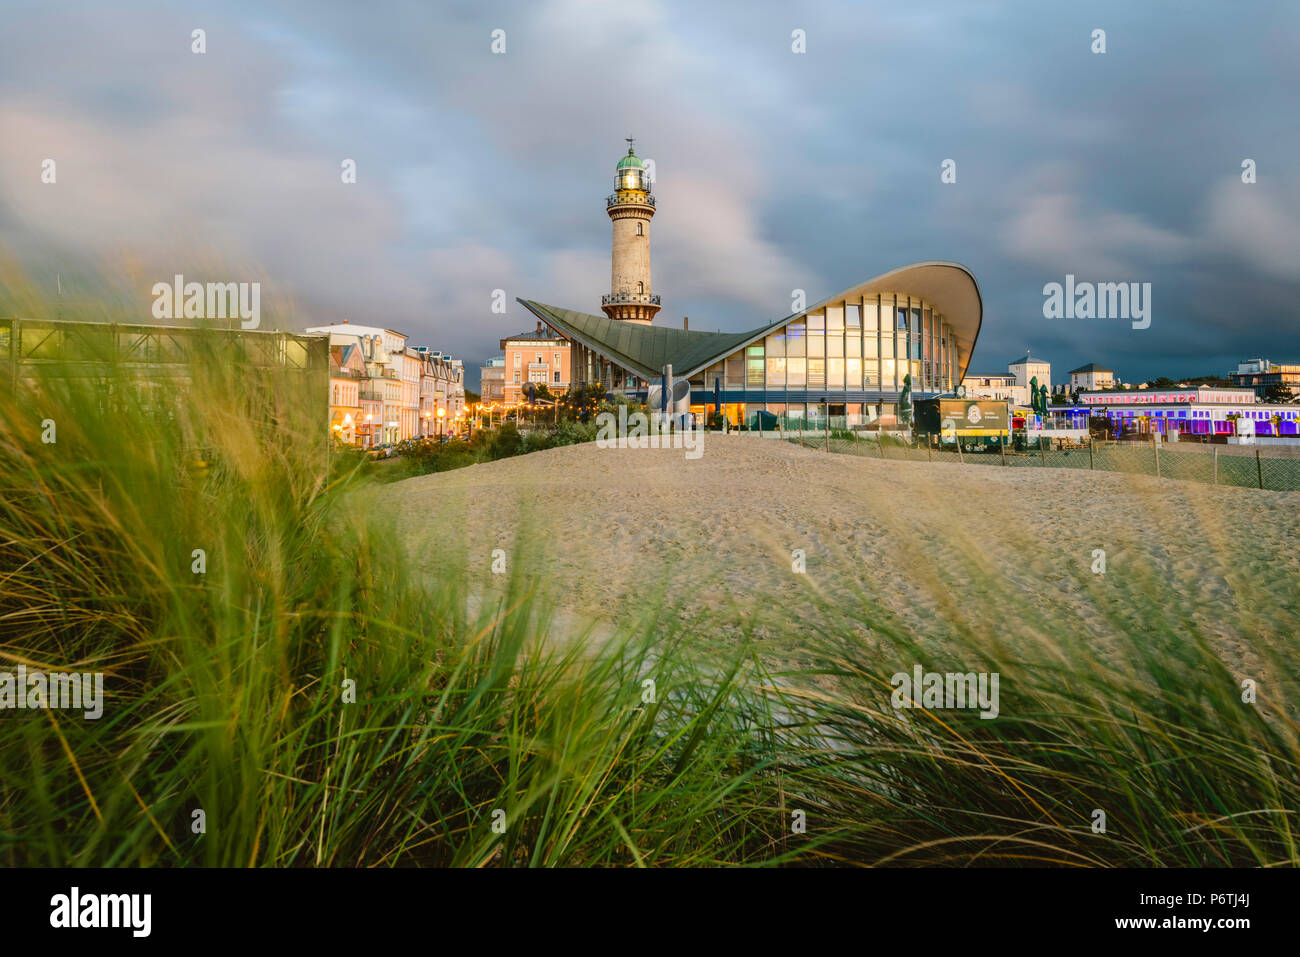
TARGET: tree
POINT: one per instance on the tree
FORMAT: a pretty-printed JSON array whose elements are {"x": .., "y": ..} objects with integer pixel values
[
  {"x": 1279, "y": 393},
  {"x": 584, "y": 401}
]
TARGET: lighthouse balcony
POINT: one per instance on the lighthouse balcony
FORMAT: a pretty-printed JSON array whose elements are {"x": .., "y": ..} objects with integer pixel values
[
  {"x": 619, "y": 298},
  {"x": 627, "y": 200}
]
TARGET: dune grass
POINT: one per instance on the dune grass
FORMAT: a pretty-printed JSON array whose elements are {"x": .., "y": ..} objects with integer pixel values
[{"x": 481, "y": 731}]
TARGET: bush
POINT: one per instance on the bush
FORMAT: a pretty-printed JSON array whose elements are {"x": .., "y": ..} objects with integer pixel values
[
  {"x": 570, "y": 432},
  {"x": 505, "y": 442}
]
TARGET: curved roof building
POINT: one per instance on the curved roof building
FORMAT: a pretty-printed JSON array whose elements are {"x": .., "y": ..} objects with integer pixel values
[{"x": 846, "y": 355}]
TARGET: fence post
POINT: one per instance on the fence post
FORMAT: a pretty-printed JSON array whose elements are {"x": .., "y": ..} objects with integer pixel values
[
  {"x": 828, "y": 431},
  {"x": 880, "y": 443},
  {"x": 1003, "y": 447},
  {"x": 928, "y": 456},
  {"x": 1259, "y": 468},
  {"x": 1155, "y": 447},
  {"x": 1091, "y": 463},
  {"x": 1216, "y": 465},
  {"x": 1042, "y": 452},
  {"x": 960, "y": 457}
]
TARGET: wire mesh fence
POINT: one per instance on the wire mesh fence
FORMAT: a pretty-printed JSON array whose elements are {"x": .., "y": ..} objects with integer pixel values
[{"x": 1274, "y": 468}]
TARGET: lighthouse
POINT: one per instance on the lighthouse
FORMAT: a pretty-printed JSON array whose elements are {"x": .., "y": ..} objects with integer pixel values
[{"x": 630, "y": 209}]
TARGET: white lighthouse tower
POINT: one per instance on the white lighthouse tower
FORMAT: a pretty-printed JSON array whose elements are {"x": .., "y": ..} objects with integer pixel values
[{"x": 630, "y": 209}]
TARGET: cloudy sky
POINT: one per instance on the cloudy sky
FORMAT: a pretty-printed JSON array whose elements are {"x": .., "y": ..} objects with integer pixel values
[{"x": 776, "y": 170}]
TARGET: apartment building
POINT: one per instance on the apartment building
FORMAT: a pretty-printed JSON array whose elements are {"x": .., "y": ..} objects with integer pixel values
[
  {"x": 540, "y": 356},
  {"x": 401, "y": 391}
]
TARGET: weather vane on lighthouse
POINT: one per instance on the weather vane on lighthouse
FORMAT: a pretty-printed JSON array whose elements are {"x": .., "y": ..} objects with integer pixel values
[{"x": 630, "y": 142}]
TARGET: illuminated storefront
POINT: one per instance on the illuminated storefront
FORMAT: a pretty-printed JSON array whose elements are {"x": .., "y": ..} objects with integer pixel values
[{"x": 1194, "y": 413}]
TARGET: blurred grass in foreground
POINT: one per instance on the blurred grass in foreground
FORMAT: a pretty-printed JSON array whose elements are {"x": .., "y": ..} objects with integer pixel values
[{"x": 225, "y": 689}]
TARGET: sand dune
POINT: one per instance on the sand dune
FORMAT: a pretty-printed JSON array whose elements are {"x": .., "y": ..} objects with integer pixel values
[{"x": 935, "y": 547}]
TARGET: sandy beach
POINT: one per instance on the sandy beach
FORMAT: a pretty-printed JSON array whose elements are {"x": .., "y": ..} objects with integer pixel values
[{"x": 932, "y": 547}]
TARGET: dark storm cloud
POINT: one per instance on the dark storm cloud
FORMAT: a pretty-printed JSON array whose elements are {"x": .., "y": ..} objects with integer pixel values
[{"x": 776, "y": 171}]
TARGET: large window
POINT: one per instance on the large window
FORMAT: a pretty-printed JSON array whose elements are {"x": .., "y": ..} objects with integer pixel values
[
  {"x": 870, "y": 316},
  {"x": 796, "y": 372},
  {"x": 755, "y": 374},
  {"x": 776, "y": 372},
  {"x": 835, "y": 373},
  {"x": 852, "y": 315},
  {"x": 796, "y": 340},
  {"x": 816, "y": 337},
  {"x": 817, "y": 345},
  {"x": 816, "y": 373},
  {"x": 927, "y": 352}
]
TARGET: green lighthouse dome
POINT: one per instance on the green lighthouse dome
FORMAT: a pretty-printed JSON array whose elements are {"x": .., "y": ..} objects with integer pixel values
[{"x": 630, "y": 161}]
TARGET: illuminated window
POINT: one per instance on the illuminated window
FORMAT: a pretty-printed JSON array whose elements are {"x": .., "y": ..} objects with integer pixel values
[
  {"x": 796, "y": 370},
  {"x": 640, "y": 229},
  {"x": 775, "y": 372},
  {"x": 816, "y": 373},
  {"x": 795, "y": 339},
  {"x": 835, "y": 373},
  {"x": 870, "y": 316}
]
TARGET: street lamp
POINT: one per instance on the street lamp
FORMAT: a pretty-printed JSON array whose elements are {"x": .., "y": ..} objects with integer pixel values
[{"x": 441, "y": 412}]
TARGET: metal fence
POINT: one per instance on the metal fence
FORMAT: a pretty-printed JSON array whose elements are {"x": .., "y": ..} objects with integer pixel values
[{"x": 1277, "y": 468}]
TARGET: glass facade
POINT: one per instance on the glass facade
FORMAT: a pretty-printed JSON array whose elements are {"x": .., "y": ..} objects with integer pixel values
[{"x": 864, "y": 345}]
